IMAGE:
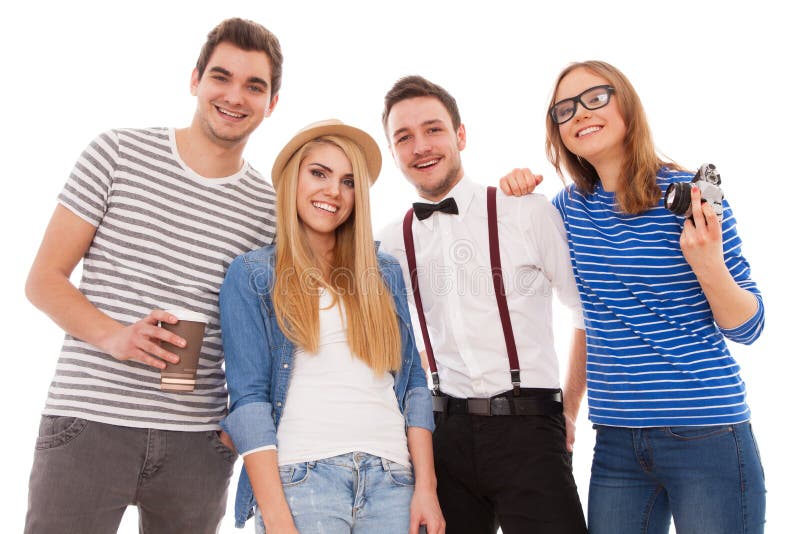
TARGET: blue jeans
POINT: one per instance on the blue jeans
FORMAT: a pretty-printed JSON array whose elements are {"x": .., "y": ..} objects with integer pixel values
[
  {"x": 352, "y": 493},
  {"x": 708, "y": 479}
]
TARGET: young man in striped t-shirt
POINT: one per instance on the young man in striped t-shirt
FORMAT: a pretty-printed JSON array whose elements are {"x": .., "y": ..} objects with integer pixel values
[{"x": 157, "y": 215}]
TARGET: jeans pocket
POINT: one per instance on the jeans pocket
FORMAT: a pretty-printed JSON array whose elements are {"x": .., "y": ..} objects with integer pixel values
[
  {"x": 752, "y": 436},
  {"x": 58, "y": 430},
  {"x": 690, "y": 433},
  {"x": 399, "y": 474},
  {"x": 223, "y": 450},
  {"x": 294, "y": 474}
]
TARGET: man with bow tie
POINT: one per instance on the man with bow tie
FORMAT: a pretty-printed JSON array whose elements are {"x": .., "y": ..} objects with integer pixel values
[{"x": 481, "y": 269}]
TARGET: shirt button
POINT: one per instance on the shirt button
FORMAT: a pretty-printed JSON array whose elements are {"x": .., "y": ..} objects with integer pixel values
[
  {"x": 279, "y": 404},
  {"x": 285, "y": 365}
]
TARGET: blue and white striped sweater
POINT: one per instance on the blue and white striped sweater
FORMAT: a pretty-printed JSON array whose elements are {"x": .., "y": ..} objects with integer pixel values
[{"x": 655, "y": 355}]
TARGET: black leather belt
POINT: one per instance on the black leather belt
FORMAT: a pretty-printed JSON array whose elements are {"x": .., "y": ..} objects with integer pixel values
[{"x": 532, "y": 401}]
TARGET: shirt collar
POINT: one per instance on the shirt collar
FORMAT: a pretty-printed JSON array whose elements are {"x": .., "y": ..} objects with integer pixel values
[{"x": 463, "y": 193}]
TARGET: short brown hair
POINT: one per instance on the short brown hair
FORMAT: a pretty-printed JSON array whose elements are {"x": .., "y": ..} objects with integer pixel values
[
  {"x": 639, "y": 191},
  {"x": 416, "y": 86},
  {"x": 247, "y": 35}
]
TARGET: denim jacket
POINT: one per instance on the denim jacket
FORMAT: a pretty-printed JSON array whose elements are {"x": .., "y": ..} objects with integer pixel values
[{"x": 259, "y": 359}]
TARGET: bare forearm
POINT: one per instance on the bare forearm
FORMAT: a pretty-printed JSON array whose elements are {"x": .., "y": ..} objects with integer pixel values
[
  {"x": 425, "y": 509},
  {"x": 730, "y": 304},
  {"x": 575, "y": 382},
  {"x": 420, "y": 446},
  {"x": 262, "y": 468},
  {"x": 54, "y": 294},
  {"x": 65, "y": 242}
]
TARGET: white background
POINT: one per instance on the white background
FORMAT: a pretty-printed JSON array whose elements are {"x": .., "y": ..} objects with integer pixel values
[{"x": 718, "y": 79}]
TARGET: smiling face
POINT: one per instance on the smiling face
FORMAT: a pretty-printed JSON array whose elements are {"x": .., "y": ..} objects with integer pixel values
[
  {"x": 426, "y": 148},
  {"x": 325, "y": 193},
  {"x": 233, "y": 95},
  {"x": 596, "y": 135}
]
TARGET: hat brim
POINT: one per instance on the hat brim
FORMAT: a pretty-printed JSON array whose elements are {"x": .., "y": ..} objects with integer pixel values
[{"x": 372, "y": 152}]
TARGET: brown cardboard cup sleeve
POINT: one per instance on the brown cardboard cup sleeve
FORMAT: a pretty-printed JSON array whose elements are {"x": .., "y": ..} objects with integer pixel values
[{"x": 182, "y": 376}]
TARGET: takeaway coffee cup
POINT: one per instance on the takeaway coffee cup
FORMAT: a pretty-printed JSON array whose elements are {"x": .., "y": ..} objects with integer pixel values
[{"x": 182, "y": 376}]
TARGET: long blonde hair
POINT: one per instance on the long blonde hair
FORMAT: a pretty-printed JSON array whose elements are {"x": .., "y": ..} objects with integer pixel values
[
  {"x": 355, "y": 280},
  {"x": 638, "y": 190}
]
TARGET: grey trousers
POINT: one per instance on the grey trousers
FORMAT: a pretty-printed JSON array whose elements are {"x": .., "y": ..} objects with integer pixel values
[{"x": 85, "y": 474}]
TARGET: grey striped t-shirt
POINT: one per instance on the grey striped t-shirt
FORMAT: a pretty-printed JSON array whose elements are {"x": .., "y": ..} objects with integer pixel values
[{"x": 165, "y": 237}]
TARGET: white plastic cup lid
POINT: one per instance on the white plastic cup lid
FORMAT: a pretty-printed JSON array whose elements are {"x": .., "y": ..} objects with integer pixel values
[{"x": 186, "y": 315}]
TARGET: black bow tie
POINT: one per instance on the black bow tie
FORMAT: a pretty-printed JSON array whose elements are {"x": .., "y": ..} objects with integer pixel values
[{"x": 423, "y": 210}]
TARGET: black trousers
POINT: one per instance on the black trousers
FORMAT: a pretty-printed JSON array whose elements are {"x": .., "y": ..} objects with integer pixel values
[{"x": 512, "y": 472}]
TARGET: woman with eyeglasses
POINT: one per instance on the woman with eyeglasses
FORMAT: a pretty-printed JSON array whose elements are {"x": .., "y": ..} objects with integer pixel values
[
  {"x": 328, "y": 403},
  {"x": 660, "y": 294}
]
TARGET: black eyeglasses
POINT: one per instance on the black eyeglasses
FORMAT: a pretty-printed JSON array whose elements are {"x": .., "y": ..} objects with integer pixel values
[{"x": 592, "y": 98}]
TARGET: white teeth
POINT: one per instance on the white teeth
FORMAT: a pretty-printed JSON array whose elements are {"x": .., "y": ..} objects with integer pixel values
[
  {"x": 589, "y": 130},
  {"x": 427, "y": 164},
  {"x": 327, "y": 207},
  {"x": 231, "y": 113}
]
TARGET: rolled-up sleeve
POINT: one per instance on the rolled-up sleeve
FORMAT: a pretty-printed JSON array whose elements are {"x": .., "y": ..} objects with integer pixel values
[
  {"x": 747, "y": 332},
  {"x": 419, "y": 408},
  {"x": 248, "y": 361},
  {"x": 247, "y": 429}
]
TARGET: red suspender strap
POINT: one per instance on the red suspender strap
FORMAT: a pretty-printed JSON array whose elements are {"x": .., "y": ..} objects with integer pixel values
[
  {"x": 499, "y": 288},
  {"x": 411, "y": 257}
]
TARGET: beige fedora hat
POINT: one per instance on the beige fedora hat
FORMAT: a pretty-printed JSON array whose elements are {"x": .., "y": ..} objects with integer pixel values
[{"x": 372, "y": 152}]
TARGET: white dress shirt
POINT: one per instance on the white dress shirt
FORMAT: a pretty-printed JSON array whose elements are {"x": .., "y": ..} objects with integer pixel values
[{"x": 458, "y": 297}]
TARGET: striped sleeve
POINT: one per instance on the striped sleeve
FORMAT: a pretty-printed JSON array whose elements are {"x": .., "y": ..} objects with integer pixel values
[
  {"x": 558, "y": 202},
  {"x": 750, "y": 330},
  {"x": 87, "y": 189}
]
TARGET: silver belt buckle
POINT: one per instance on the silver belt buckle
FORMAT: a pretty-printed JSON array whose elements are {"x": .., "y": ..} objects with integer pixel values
[{"x": 479, "y": 406}]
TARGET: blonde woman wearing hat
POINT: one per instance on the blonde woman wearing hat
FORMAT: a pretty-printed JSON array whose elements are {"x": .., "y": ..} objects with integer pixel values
[{"x": 328, "y": 403}]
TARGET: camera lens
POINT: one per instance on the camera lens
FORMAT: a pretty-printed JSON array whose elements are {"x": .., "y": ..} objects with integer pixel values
[{"x": 678, "y": 198}]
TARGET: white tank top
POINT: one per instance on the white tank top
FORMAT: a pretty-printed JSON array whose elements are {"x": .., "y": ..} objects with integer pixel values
[{"x": 336, "y": 404}]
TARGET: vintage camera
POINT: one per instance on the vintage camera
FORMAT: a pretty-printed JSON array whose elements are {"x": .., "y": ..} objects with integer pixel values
[{"x": 678, "y": 198}]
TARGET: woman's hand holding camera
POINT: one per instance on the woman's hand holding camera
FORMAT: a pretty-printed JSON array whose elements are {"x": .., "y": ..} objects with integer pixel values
[
  {"x": 701, "y": 244},
  {"x": 701, "y": 239}
]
